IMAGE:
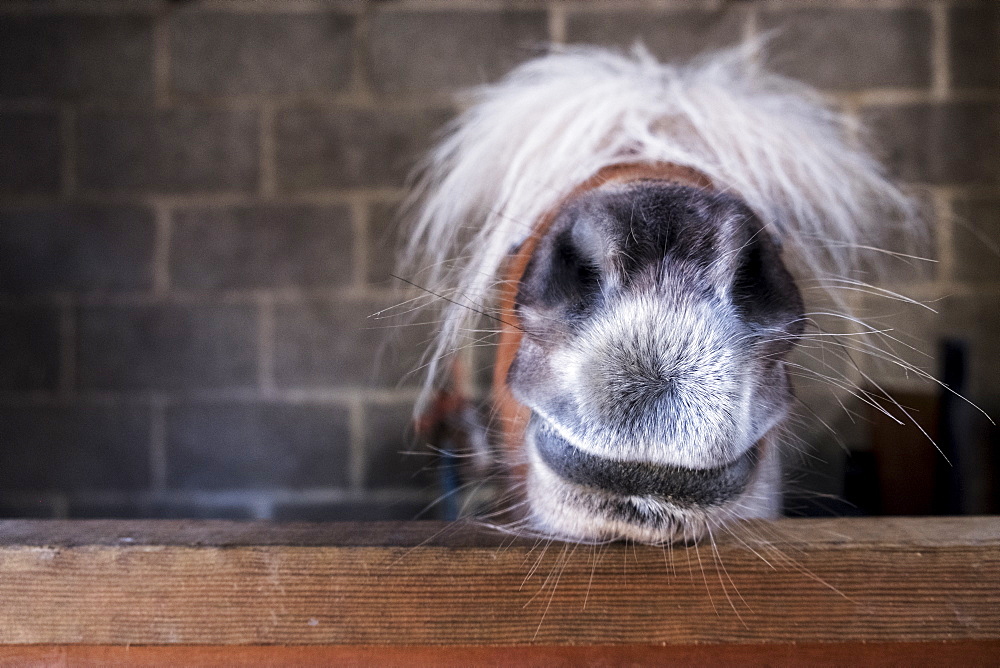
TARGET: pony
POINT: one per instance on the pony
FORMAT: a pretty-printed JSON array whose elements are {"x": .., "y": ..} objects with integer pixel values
[{"x": 632, "y": 235}]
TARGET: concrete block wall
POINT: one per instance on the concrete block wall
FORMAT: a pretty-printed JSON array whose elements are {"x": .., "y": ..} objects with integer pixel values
[{"x": 196, "y": 212}]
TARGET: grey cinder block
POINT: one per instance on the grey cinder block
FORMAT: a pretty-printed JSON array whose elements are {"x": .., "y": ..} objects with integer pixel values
[
  {"x": 974, "y": 54},
  {"x": 65, "y": 447},
  {"x": 29, "y": 348},
  {"x": 383, "y": 241},
  {"x": 427, "y": 52},
  {"x": 262, "y": 246},
  {"x": 976, "y": 238},
  {"x": 219, "y": 446},
  {"x": 354, "y": 511},
  {"x": 336, "y": 343},
  {"x": 172, "y": 151},
  {"x": 350, "y": 148},
  {"x": 227, "y": 53},
  {"x": 851, "y": 48},
  {"x": 669, "y": 35},
  {"x": 31, "y": 152},
  {"x": 75, "y": 55},
  {"x": 138, "y": 509},
  {"x": 42, "y": 507},
  {"x": 948, "y": 143},
  {"x": 171, "y": 346},
  {"x": 395, "y": 456},
  {"x": 78, "y": 248}
]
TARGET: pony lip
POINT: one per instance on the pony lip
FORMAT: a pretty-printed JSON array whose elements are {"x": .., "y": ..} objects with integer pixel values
[{"x": 679, "y": 486}]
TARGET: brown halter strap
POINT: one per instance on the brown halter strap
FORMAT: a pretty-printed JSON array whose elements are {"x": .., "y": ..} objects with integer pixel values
[{"x": 514, "y": 416}]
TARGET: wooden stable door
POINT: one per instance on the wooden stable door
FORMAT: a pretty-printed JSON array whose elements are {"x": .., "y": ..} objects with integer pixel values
[{"x": 823, "y": 592}]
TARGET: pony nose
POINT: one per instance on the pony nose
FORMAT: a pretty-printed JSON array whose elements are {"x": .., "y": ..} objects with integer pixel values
[{"x": 678, "y": 485}]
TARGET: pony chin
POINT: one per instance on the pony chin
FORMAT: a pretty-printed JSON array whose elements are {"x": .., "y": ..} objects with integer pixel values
[{"x": 562, "y": 509}]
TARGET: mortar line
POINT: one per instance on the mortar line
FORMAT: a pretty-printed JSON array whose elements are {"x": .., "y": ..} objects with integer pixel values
[
  {"x": 268, "y": 185},
  {"x": 67, "y": 346},
  {"x": 67, "y": 130},
  {"x": 557, "y": 22},
  {"x": 347, "y": 99},
  {"x": 157, "y": 443},
  {"x": 161, "y": 249},
  {"x": 248, "y": 497},
  {"x": 944, "y": 212},
  {"x": 216, "y": 199},
  {"x": 849, "y": 4},
  {"x": 940, "y": 58},
  {"x": 361, "y": 249},
  {"x": 277, "y": 6},
  {"x": 360, "y": 86},
  {"x": 751, "y": 24},
  {"x": 42, "y": 7},
  {"x": 150, "y": 7},
  {"x": 265, "y": 346},
  {"x": 60, "y": 506},
  {"x": 357, "y": 465},
  {"x": 261, "y": 506},
  {"x": 207, "y": 297},
  {"x": 471, "y": 6},
  {"x": 161, "y": 61}
]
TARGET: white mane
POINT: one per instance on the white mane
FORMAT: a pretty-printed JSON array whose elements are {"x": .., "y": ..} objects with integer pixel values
[{"x": 527, "y": 141}]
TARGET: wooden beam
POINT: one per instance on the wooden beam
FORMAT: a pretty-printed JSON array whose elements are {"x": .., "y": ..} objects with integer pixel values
[
  {"x": 968, "y": 654},
  {"x": 844, "y": 581}
]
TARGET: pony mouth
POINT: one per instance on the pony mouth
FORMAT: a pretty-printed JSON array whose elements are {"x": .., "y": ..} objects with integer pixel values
[
  {"x": 576, "y": 495},
  {"x": 586, "y": 496},
  {"x": 679, "y": 486}
]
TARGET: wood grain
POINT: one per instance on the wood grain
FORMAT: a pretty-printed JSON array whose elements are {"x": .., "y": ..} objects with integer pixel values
[{"x": 884, "y": 580}]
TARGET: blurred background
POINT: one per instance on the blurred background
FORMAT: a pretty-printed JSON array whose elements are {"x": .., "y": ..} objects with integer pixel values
[{"x": 196, "y": 220}]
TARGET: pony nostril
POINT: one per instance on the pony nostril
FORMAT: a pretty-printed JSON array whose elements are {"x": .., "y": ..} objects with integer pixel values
[{"x": 678, "y": 485}]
